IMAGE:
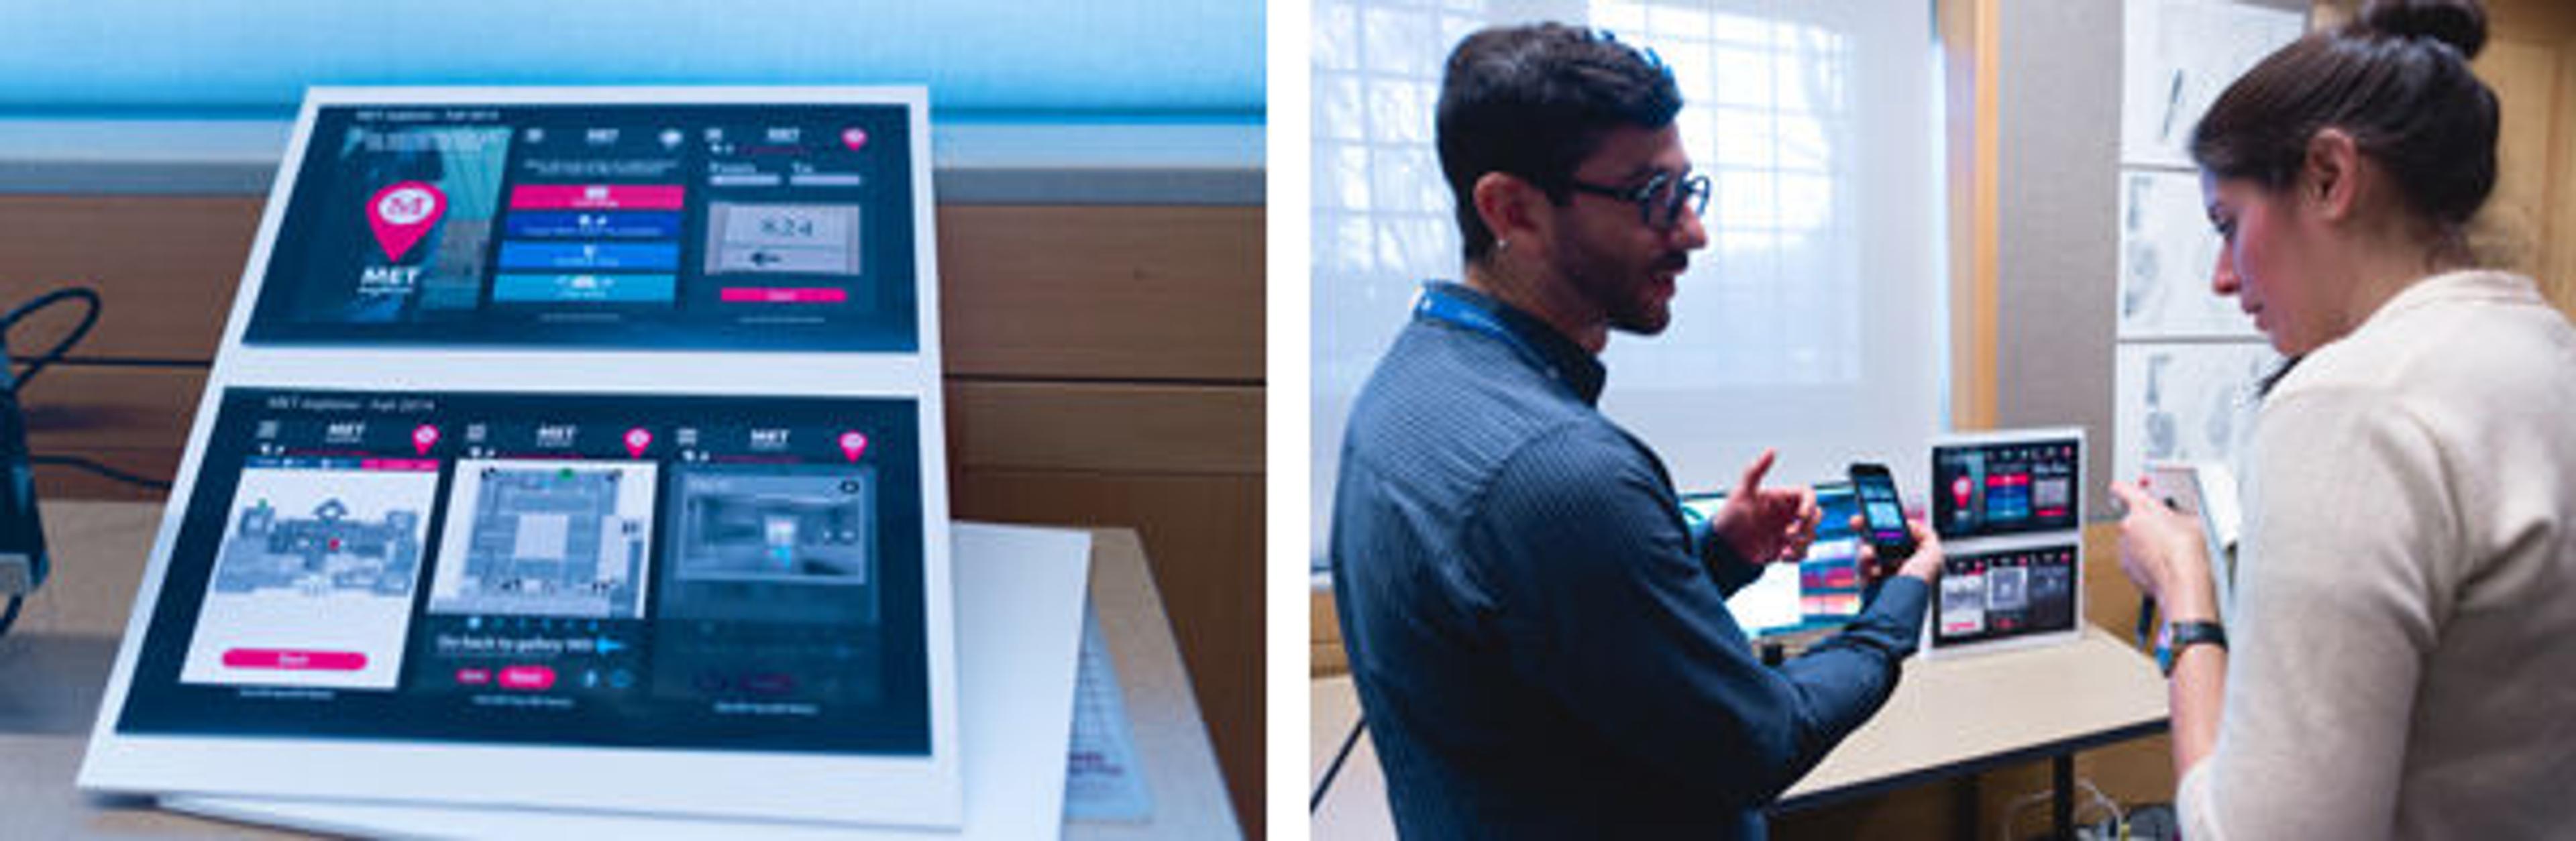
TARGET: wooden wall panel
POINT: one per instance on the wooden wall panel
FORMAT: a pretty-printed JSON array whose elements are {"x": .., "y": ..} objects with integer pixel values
[
  {"x": 167, "y": 266},
  {"x": 1051, "y": 292},
  {"x": 2558, "y": 239},
  {"x": 1324, "y": 652},
  {"x": 1130, "y": 292},
  {"x": 72, "y": 408},
  {"x": 1116, "y": 428},
  {"x": 2524, "y": 75},
  {"x": 1970, "y": 31},
  {"x": 64, "y": 482}
]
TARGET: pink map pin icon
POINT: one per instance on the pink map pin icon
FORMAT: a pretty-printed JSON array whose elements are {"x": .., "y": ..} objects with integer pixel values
[
  {"x": 424, "y": 438},
  {"x": 854, "y": 138},
  {"x": 852, "y": 444},
  {"x": 636, "y": 440},
  {"x": 402, "y": 213}
]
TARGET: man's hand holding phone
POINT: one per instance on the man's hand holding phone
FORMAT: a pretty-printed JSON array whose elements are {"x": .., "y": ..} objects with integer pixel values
[
  {"x": 1894, "y": 541},
  {"x": 1924, "y": 563}
]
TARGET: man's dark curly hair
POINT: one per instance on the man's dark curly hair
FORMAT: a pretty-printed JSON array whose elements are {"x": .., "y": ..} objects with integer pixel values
[{"x": 1533, "y": 101}]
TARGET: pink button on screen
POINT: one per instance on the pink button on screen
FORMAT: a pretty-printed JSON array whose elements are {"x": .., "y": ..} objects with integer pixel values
[
  {"x": 784, "y": 295},
  {"x": 292, "y": 660},
  {"x": 596, "y": 197},
  {"x": 527, "y": 677}
]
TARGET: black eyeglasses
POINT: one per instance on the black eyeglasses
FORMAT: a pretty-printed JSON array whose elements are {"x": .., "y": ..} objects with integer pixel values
[{"x": 1661, "y": 199}]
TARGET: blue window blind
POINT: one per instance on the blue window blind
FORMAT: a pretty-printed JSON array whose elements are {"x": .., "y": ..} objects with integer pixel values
[{"x": 1110, "y": 59}]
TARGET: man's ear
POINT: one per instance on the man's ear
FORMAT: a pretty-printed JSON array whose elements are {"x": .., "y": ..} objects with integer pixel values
[
  {"x": 2329, "y": 177},
  {"x": 1513, "y": 208}
]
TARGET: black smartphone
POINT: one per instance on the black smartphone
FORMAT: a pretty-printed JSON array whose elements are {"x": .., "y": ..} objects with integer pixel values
[{"x": 1882, "y": 516}]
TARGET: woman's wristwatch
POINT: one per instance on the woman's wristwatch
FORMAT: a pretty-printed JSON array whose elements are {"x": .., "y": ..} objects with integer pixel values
[{"x": 2182, "y": 635}]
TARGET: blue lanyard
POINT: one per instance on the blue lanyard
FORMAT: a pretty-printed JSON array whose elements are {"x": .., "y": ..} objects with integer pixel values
[{"x": 1437, "y": 305}]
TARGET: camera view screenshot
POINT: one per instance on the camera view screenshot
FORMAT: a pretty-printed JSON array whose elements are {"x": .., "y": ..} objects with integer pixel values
[
  {"x": 2009, "y": 487},
  {"x": 686, "y": 226},
  {"x": 2004, "y": 593},
  {"x": 665, "y": 571}
]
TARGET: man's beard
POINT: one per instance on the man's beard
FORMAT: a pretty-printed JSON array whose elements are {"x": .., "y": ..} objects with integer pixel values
[{"x": 1629, "y": 306}]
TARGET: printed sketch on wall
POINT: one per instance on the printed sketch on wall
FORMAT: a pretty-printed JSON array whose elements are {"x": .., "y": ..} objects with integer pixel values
[
  {"x": 2186, "y": 402},
  {"x": 2167, "y": 251},
  {"x": 2178, "y": 56}
]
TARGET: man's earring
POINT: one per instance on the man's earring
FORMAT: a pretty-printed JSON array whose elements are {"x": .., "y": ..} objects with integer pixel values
[{"x": 1502, "y": 245}]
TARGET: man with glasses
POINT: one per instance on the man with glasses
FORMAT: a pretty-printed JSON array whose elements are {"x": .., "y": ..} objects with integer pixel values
[{"x": 1541, "y": 644}]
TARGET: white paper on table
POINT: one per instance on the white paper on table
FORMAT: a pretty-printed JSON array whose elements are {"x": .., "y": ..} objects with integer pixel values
[
  {"x": 1020, "y": 602},
  {"x": 1103, "y": 778}
]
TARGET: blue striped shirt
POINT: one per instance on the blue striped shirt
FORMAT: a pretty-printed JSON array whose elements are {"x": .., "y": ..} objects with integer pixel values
[{"x": 1541, "y": 646}]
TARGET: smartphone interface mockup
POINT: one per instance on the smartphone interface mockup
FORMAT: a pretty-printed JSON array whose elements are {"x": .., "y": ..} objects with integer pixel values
[
  {"x": 1990, "y": 595},
  {"x": 1882, "y": 513},
  {"x": 2016, "y": 487},
  {"x": 735, "y": 227},
  {"x": 727, "y": 573}
]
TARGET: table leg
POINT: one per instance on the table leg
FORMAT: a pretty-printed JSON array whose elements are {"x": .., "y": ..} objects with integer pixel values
[
  {"x": 2062, "y": 803},
  {"x": 1963, "y": 808}
]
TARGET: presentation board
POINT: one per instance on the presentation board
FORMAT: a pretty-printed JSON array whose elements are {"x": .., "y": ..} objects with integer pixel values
[
  {"x": 2009, "y": 508},
  {"x": 567, "y": 448}
]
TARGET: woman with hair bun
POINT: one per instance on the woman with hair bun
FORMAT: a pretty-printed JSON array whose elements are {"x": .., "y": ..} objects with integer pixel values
[{"x": 2400, "y": 660}]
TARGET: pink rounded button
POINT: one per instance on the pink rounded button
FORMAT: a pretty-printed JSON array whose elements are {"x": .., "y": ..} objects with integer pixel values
[
  {"x": 294, "y": 660},
  {"x": 531, "y": 678}
]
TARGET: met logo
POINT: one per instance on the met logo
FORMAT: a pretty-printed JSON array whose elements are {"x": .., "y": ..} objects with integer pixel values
[{"x": 402, "y": 213}]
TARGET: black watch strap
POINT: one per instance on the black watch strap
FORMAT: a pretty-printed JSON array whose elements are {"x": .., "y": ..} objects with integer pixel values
[{"x": 2182, "y": 635}]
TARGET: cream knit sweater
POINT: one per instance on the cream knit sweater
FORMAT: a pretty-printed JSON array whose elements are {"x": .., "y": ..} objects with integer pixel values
[{"x": 2404, "y": 643}]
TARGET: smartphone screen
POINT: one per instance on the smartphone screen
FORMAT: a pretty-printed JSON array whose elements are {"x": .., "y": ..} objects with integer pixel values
[{"x": 1880, "y": 512}]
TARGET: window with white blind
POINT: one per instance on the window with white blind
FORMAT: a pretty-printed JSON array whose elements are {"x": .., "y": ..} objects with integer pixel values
[{"x": 1814, "y": 322}]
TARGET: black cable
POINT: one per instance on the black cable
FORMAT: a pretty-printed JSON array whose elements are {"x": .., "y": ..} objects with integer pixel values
[
  {"x": 89, "y": 318},
  {"x": 80, "y": 463},
  {"x": 36, "y": 364},
  {"x": 1330, "y": 771}
]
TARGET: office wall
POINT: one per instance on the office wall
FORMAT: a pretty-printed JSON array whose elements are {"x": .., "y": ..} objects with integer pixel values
[
  {"x": 2057, "y": 225},
  {"x": 1104, "y": 367}
]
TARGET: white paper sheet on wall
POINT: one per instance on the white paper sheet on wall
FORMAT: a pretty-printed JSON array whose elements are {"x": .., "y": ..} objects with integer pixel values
[
  {"x": 2183, "y": 402},
  {"x": 2167, "y": 254},
  {"x": 2189, "y": 362},
  {"x": 2178, "y": 55}
]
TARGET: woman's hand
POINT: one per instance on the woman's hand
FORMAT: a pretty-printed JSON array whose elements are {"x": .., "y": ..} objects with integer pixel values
[{"x": 2163, "y": 552}]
